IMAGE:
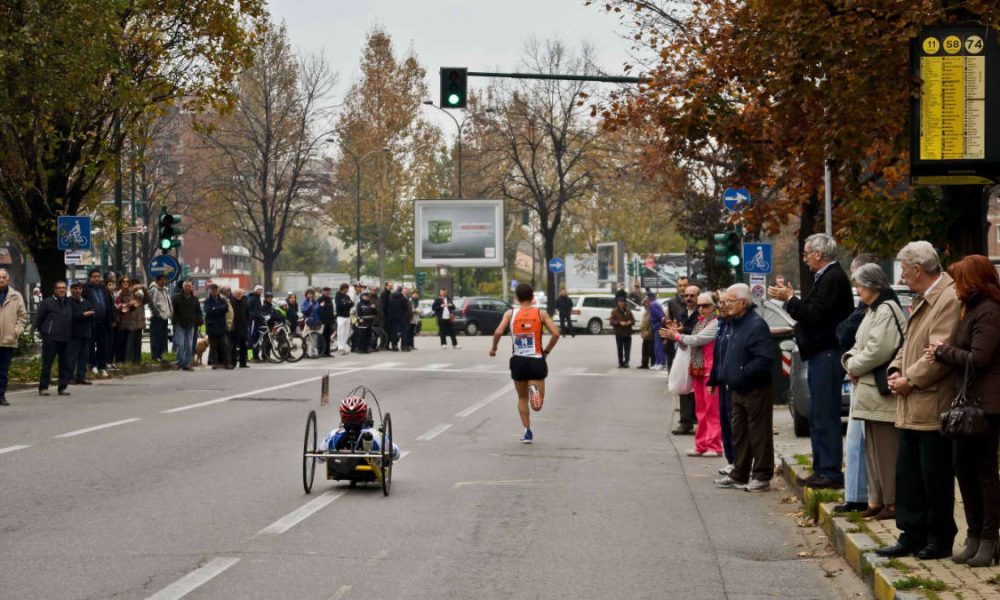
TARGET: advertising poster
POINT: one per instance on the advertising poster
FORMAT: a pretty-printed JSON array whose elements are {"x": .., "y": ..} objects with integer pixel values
[
  {"x": 610, "y": 262},
  {"x": 458, "y": 233}
]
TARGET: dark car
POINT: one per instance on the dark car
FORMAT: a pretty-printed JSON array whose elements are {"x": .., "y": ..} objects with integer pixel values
[{"x": 479, "y": 314}]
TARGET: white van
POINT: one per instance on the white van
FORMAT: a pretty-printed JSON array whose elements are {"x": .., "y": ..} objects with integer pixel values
[{"x": 591, "y": 312}]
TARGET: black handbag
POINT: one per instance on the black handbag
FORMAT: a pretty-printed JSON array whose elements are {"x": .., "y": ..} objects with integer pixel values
[{"x": 966, "y": 416}]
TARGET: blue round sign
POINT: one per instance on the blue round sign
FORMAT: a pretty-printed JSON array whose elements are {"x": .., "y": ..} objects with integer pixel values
[
  {"x": 736, "y": 198},
  {"x": 556, "y": 265},
  {"x": 163, "y": 265}
]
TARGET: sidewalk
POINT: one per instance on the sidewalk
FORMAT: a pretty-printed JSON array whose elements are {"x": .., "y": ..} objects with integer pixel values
[{"x": 900, "y": 579}]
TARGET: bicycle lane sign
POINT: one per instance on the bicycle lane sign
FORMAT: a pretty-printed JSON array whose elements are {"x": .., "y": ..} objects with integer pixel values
[
  {"x": 757, "y": 258},
  {"x": 73, "y": 233}
]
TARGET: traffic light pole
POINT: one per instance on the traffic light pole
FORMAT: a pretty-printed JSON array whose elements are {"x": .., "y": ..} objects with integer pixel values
[{"x": 561, "y": 77}]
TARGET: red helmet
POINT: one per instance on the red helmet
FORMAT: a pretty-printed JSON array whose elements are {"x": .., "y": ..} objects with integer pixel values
[{"x": 353, "y": 410}]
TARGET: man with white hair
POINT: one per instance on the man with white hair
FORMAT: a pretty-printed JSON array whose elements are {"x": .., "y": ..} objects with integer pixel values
[
  {"x": 13, "y": 320},
  {"x": 817, "y": 315},
  {"x": 743, "y": 368},
  {"x": 925, "y": 488}
]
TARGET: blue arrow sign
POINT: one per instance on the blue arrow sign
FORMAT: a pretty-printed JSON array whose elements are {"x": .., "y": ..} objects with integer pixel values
[
  {"x": 735, "y": 198},
  {"x": 757, "y": 258},
  {"x": 73, "y": 233},
  {"x": 556, "y": 265},
  {"x": 164, "y": 265}
]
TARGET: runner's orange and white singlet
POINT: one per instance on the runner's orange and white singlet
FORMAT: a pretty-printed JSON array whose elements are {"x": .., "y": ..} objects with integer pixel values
[{"x": 526, "y": 332}]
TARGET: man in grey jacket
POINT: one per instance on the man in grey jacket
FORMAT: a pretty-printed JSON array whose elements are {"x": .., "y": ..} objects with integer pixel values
[
  {"x": 13, "y": 319},
  {"x": 162, "y": 308}
]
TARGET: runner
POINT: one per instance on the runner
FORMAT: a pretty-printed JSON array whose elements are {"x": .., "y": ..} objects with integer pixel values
[{"x": 527, "y": 365}]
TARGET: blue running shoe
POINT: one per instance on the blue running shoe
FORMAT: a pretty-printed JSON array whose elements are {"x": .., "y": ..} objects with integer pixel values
[{"x": 527, "y": 438}]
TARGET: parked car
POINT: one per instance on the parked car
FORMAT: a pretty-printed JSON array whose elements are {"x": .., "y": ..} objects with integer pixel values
[
  {"x": 479, "y": 314},
  {"x": 424, "y": 309},
  {"x": 591, "y": 313},
  {"x": 797, "y": 369}
]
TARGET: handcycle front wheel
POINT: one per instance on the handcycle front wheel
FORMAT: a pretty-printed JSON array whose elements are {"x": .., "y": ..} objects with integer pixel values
[
  {"x": 309, "y": 446},
  {"x": 386, "y": 448}
]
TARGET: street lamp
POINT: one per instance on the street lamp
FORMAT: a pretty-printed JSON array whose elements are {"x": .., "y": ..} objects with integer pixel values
[{"x": 357, "y": 199}]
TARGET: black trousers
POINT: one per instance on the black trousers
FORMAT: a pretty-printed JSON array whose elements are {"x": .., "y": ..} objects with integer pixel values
[
  {"x": 238, "y": 342},
  {"x": 925, "y": 489},
  {"x": 219, "y": 355},
  {"x": 328, "y": 331},
  {"x": 753, "y": 435},
  {"x": 565, "y": 325},
  {"x": 647, "y": 353},
  {"x": 975, "y": 462},
  {"x": 79, "y": 353},
  {"x": 50, "y": 350},
  {"x": 363, "y": 339},
  {"x": 447, "y": 329},
  {"x": 99, "y": 347},
  {"x": 688, "y": 418},
  {"x": 397, "y": 332},
  {"x": 624, "y": 345}
]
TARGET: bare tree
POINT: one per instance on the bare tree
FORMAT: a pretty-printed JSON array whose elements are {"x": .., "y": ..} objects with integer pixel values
[
  {"x": 263, "y": 160},
  {"x": 545, "y": 138}
]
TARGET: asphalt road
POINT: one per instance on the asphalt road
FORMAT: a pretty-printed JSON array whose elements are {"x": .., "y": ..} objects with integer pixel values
[{"x": 190, "y": 483}]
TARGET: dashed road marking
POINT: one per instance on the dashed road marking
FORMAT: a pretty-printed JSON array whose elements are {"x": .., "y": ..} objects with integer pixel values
[
  {"x": 468, "y": 411},
  {"x": 12, "y": 449},
  {"x": 433, "y": 433},
  {"x": 195, "y": 579},
  {"x": 252, "y": 392},
  {"x": 70, "y": 434},
  {"x": 300, "y": 514}
]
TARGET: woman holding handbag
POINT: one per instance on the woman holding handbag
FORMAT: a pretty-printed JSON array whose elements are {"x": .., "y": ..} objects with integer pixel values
[
  {"x": 973, "y": 356},
  {"x": 701, "y": 344},
  {"x": 878, "y": 339}
]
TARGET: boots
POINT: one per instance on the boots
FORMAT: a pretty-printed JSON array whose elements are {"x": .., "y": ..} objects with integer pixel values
[
  {"x": 989, "y": 552},
  {"x": 971, "y": 547}
]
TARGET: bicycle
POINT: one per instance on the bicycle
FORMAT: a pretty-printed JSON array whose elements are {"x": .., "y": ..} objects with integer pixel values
[
  {"x": 285, "y": 345},
  {"x": 758, "y": 261},
  {"x": 315, "y": 344}
]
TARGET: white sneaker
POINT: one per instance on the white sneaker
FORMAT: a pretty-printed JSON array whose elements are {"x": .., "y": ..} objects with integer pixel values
[
  {"x": 444, "y": 346},
  {"x": 757, "y": 485},
  {"x": 656, "y": 368},
  {"x": 456, "y": 347},
  {"x": 695, "y": 453},
  {"x": 726, "y": 470},
  {"x": 93, "y": 370},
  {"x": 103, "y": 373}
]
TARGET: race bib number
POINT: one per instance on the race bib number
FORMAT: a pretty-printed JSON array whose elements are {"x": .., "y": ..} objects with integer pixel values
[{"x": 524, "y": 344}]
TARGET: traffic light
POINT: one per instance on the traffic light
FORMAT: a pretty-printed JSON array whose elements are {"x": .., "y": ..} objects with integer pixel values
[
  {"x": 454, "y": 85},
  {"x": 421, "y": 278},
  {"x": 170, "y": 231},
  {"x": 728, "y": 249}
]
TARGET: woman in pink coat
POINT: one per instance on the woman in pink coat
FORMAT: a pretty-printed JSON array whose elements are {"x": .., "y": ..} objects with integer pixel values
[{"x": 701, "y": 344}]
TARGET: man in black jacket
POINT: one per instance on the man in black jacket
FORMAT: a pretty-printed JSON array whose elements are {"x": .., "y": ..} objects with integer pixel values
[
  {"x": 686, "y": 318},
  {"x": 327, "y": 314},
  {"x": 104, "y": 309},
  {"x": 55, "y": 324},
  {"x": 83, "y": 330},
  {"x": 742, "y": 366},
  {"x": 564, "y": 305},
  {"x": 241, "y": 324},
  {"x": 216, "y": 307},
  {"x": 383, "y": 305},
  {"x": 444, "y": 309},
  {"x": 817, "y": 316},
  {"x": 400, "y": 311},
  {"x": 366, "y": 320},
  {"x": 255, "y": 310},
  {"x": 676, "y": 311}
]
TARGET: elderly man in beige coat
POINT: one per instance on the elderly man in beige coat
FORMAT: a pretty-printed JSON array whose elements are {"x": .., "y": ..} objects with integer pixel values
[
  {"x": 925, "y": 483},
  {"x": 13, "y": 319}
]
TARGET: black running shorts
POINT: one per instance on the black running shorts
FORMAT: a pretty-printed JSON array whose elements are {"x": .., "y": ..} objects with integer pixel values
[{"x": 528, "y": 368}]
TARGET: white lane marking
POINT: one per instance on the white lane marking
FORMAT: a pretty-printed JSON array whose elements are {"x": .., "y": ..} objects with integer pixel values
[
  {"x": 403, "y": 455},
  {"x": 504, "y": 390},
  {"x": 343, "y": 591},
  {"x": 385, "y": 365},
  {"x": 521, "y": 482},
  {"x": 195, "y": 579},
  {"x": 435, "y": 366},
  {"x": 252, "y": 392},
  {"x": 12, "y": 449},
  {"x": 573, "y": 371},
  {"x": 433, "y": 433},
  {"x": 300, "y": 514},
  {"x": 346, "y": 364},
  {"x": 96, "y": 428}
]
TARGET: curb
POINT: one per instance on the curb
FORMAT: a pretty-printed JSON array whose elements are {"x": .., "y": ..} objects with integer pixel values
[{"x": 857, "y": 547}]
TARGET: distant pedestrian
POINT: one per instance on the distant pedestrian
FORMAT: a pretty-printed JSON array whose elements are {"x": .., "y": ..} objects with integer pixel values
[
  {"x": 400, "y": 311},
  {"x": 367, "y": 313},
  {"x": 255, "y": 310},
  {"x": 407, "y": 342},
  {"x": 216, "y": 308},
  {"x": 689, "y": 318},
  {"x": 817, "y": 316},
  {"x": 133, "y": 322},
  {"x": 415, "y": 321},
  {"x": 13, "y": 320},
  {"x": 646, "y": 335},
  {"x": 622, "y": 322},
  {"x": 744, "y": 368},
  {"x": 701, "y": 344},
  {"x": 656, "y": 320},
  {"x": 292, "y": 312},
  {"x": 162, "y": 310},
  {"x": 104, "y": 313},
  {"x": 241, "y": 324},
  {"x": 621, "y": 292},
  {"x": 636, "y": 295},
  {"x": 676, "y": 311},
  {"x": 187, "y": 320},
  {"x": 342, "y": 306},
  {"x": 444, "y": 309},
  {"x": 564, "y": 306},
  {"x": 722, "y": 338},
  {"x": 83, "y": 330},
  {"x": 36, "y": 298},
  {"x": 383, "y": 305},
  {"x": 327, "y": 317},
  {"x": 54, "y": 322}
]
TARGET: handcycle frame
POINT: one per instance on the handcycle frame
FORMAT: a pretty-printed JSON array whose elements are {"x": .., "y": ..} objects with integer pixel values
[{"x": 352, "y": 466}]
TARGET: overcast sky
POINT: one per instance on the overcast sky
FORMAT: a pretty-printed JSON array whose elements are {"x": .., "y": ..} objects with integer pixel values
[{"x": 478, "y": 34}]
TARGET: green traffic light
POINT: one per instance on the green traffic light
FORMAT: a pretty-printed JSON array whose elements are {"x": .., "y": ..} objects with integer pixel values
[
  {"x": 166, "y": 244},
  {"x": 734, "y": 261},
  {"x": 454, "y": 99}
]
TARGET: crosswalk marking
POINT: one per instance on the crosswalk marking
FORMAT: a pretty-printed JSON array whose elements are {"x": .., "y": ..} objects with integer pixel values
[{"x": 385, "y": 365}]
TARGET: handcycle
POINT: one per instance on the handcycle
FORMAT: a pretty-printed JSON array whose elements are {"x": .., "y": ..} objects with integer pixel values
[{"x": 355, "y": 457}]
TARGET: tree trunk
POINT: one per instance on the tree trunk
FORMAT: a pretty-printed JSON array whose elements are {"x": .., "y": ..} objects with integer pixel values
[
  {"x": 807, "y": 227},
  {"x": 268, "y": 271},
  {"x": 967, "y": 233},
  {"x": 51, "y": 267}
]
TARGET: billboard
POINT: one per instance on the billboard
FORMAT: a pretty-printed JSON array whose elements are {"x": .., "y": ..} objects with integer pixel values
[
  {"x": 610, "y": 262},
  {"x": 458, "y": 233}
]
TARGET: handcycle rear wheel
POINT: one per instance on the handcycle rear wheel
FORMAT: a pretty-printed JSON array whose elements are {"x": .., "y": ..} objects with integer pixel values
[
  {"x": 386, "y": 447},
  {"x": 309, "y": 446}
]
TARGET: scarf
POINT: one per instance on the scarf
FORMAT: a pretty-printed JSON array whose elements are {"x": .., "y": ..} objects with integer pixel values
[{"x": 698, "y": 358}]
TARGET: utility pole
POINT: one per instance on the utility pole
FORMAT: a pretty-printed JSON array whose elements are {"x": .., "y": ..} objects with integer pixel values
[{"x": 118, "y": 203}]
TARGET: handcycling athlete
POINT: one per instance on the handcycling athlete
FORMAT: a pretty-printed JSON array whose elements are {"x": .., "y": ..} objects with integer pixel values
[{"x": 356, "y": 432}]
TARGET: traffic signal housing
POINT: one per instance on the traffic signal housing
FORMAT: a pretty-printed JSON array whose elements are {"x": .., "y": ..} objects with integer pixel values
[
  {"x": 169, "y": 231},
  {"x": 728, "y": 248},
  {"x": 454, "y": 87},
  {"x": 421, "y": 279}
]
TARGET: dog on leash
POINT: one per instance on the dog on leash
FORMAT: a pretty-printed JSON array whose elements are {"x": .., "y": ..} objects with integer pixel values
[{"x": 199, "y": 350}]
